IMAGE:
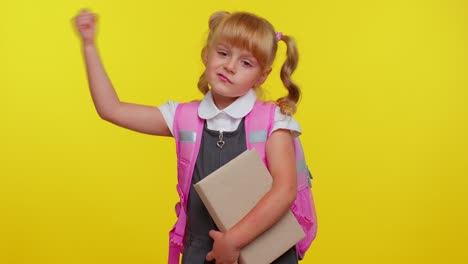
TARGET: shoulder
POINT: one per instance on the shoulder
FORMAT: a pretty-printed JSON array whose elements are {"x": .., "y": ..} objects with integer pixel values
[
  {"x": 282, "y": 121},
  {"x": 168, "y": 112},
  {"x": 190, "y": 104},
  {"x": 188, "y": 109},
  {"x": 171, "y": 111},
  {"x": 169, "y": 106},
  {"x": 279, "y": 120},
  {"x": 263, "y": 109}
]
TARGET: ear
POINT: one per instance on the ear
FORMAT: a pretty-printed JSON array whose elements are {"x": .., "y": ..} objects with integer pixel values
[{"x": 263, "y": 77}]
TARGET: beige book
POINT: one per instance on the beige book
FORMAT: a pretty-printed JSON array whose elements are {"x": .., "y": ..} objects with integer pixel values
[{"x": 231, "y": 191}]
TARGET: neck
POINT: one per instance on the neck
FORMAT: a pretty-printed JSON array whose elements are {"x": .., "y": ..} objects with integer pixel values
[{"x": 222, "y": 102}]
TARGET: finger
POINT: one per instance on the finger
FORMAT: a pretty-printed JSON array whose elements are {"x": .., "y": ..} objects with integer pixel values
[
  {"x": 84, "y": 27},
  {"x": 209, "y": 256},
  {"x": 214, "y": 234},
  {"x": 82, "y": 19},
  {"x": 85, "y": 15},
  {"x": 81, "y": 23}
]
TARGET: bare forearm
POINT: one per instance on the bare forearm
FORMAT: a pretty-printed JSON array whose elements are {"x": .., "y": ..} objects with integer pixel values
[
  {"x": 266, "y": 213},
  {"x": 104, "y": 96}
]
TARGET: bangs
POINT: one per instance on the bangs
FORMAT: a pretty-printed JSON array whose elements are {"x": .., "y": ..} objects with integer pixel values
[{"x": 248, "y": 32}]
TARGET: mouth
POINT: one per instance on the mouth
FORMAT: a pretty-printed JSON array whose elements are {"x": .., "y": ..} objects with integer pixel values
[{"x": 223, "y": 78}]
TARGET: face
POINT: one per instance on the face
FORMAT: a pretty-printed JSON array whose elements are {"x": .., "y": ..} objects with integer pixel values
[{"x": 232, "y": 72}]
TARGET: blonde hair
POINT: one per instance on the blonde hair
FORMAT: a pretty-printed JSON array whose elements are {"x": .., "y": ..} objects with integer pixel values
[{"x": 255, "y": 34}]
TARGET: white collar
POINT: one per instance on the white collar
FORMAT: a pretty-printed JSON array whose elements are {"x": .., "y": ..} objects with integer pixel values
[{"x": 238, "y": 109}]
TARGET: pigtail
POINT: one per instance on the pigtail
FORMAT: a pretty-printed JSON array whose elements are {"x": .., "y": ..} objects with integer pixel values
[
  {"x": 215, "y": 19},
  {"x": 288, "y": 103},
  {"x": 213, "y": 23},
  {"x": 203, "y": 84}
]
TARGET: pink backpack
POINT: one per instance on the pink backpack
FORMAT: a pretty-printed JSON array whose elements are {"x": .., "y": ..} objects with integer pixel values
[{"x": 188, "y": 128}]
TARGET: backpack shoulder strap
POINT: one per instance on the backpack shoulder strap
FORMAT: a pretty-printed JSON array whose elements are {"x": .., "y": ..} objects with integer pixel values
[
  {"x": 258, "y": 125},
  {"x": 187, "y": 130},
  {"x": 187, "y": 134}
]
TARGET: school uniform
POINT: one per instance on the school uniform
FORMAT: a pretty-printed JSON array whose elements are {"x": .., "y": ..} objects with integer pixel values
[{"x": 210, "y": 157}]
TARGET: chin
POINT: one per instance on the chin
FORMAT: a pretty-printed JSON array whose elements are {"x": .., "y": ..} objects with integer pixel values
[{"x": 225, "y": 94}]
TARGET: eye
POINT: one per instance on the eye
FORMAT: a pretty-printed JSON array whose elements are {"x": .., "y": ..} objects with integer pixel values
[
  {"x": 246, "y": 63},
  {"x": 222, "y": 53}
]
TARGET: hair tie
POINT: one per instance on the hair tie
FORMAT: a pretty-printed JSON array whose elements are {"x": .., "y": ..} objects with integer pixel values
[{"x": 279, "y": 35}]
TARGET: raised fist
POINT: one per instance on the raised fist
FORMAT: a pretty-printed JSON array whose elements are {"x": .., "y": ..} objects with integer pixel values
[{"x": 85, "y": 23}]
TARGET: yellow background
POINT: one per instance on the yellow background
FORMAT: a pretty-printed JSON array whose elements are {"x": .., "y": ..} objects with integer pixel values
[{"x": 384, "y": 116}]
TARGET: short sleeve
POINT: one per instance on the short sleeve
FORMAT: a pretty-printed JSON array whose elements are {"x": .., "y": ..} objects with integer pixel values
[
  {"x": 283, "y": 121},
  {"x": 168, "y": 111}
]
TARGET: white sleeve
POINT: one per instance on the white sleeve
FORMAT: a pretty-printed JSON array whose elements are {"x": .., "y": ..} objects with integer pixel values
[
  {"x": 168, "y": 111},
  {"x": 286, "y": 122}
]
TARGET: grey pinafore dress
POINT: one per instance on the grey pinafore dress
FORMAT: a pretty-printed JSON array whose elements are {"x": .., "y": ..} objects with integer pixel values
[{"x": 210, "y": 157}]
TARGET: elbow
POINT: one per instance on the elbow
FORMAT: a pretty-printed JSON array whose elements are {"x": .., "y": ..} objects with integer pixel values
[
  {"x": 288, "y": 195},
  {"x": 291, "y": 195},
  {"x": 104, "y": 115},
  {"x": 289, "y": 192},
  {"x": 107, "y": 113}
]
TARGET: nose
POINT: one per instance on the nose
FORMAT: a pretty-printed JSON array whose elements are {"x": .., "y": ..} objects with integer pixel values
[{"x": 230, "y": 65}]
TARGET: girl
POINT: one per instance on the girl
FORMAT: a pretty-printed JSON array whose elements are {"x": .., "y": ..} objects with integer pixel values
[{"x": 238, "y": 55}]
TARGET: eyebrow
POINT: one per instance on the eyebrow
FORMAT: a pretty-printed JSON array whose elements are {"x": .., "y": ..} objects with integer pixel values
[{"x": 245, "y": 54}]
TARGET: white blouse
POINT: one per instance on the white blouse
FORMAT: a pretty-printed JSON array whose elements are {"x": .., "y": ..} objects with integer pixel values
[{"x": 229, "y": 118}]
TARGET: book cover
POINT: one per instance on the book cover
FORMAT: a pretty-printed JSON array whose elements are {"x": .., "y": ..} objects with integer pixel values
[{"x": 230, "y": 192}]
